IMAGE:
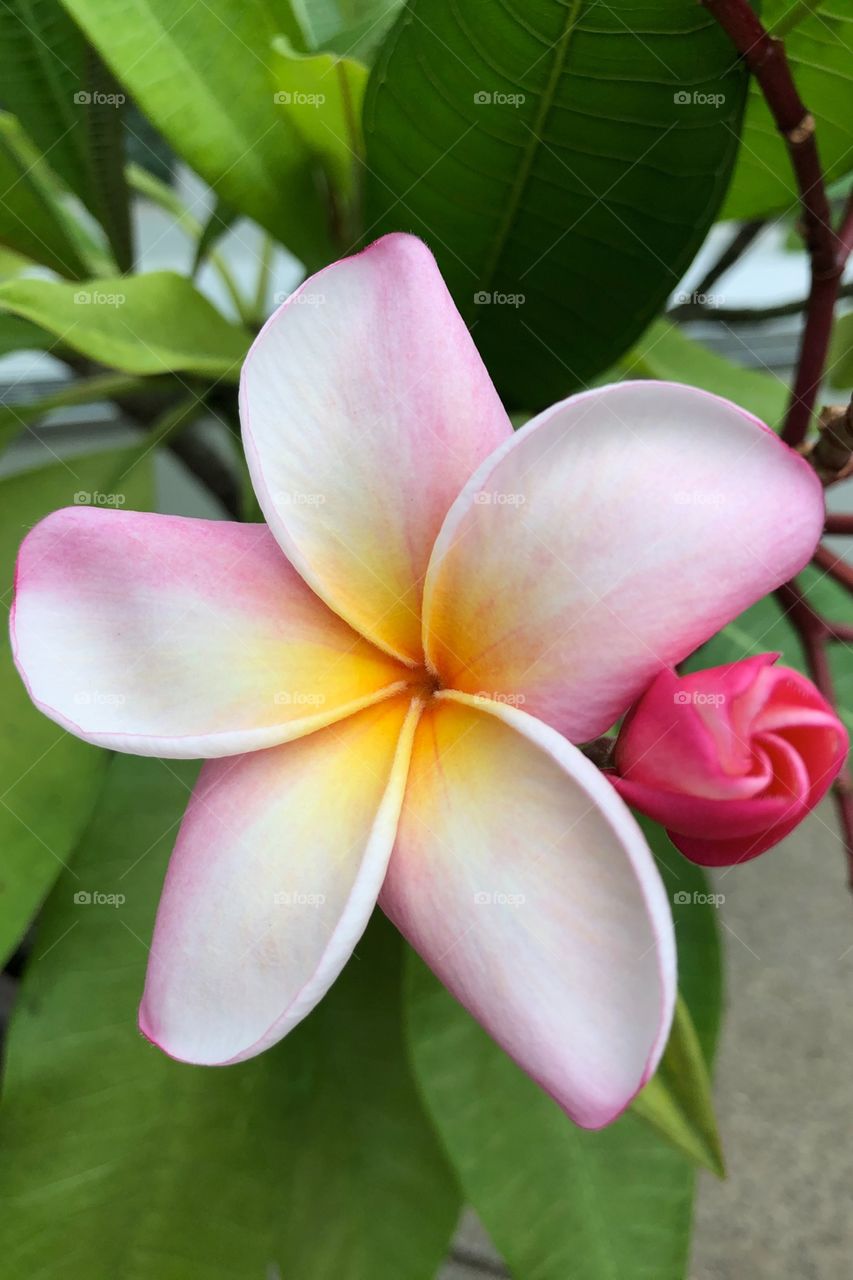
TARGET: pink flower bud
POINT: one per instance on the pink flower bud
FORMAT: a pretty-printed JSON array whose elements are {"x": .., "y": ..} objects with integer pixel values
[{"x": 730, "y": 759}]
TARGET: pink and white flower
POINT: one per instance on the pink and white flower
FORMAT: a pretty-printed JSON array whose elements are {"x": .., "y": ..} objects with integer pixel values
[{"x": 388, "y": 677}]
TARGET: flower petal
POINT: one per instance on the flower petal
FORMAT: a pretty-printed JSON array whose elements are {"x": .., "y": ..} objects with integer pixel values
[
  {"x": 365, "y": 408},
  {"x": 274, "y": 877},
  {"x": 610, "y": 537},
  {"x": 167, "y": 636},
  {"x": 526, "y": 885}
]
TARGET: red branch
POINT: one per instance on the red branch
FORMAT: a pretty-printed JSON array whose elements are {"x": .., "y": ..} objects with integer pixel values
[
  {"x": 839, "y": 524},
  {"x": 766, "y": 59},
  {"x": 815, "y": 634},
  {"x": 828, "y": 252}
]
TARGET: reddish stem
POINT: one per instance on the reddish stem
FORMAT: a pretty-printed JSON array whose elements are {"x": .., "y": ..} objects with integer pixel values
[
  {"x": 839, "y": 524},
  {"x": 766, "y": 59},
  {"x": 815, "y": 633},
  {"x": 828, "y": 253},
  {"x": 835, "y": 566}
]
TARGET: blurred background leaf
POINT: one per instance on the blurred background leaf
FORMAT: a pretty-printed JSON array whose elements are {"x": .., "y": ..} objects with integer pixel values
[
  {"x": 32, "y": 220},
  {"x": 147, "y": 324},
  {"x": 60, "y": 91},
  {"x": 50, "y": 779},
  {"x": 203, "y": 75}
]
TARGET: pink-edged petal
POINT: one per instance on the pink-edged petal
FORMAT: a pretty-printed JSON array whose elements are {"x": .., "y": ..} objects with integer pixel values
[
  {"x": 524, "y": 882},
  {"x": 365, "y": 408},
  {"x": 277, "y": 867},
  {"x": 605, "y": 541},
  {"x": 168, "y": 636}
]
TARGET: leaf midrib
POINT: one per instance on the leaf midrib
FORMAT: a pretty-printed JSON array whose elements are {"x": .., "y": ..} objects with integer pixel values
[{"x": 524, "y": 170}]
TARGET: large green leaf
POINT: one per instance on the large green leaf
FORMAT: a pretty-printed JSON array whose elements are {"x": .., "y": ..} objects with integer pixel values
[
  {"x": 201, "y": 72},
  {"x": 558, "y": 1201},
  {"x": 664, "y": 351},
  {"x": 312, "y": 1162},
  {"x": 545, "y": 152},
  {"x": 32, "y": 221},
  {"x": 59, "y": 90},
  {"x": 154, "y": 323},
  {"x": 820, "y": 51},
  {"x": 49, "y": 779}
]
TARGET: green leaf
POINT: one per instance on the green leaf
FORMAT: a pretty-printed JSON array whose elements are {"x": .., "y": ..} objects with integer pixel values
[
  {"x": 677, "y": 1100},
  {"x": 21, "y": 335},
  {"x": 694, "y": 912},
  {"x": 58, "y": 88},
  {"x": 148, "y": 324},
  {"x": 202, "y": 73},
  {"x": 50, "y": 779},
  {"x": 222, "y": 218},
  {"x": 322, "y": 96},
  {"x": 820, "y": 51},
  {"x": 840, "y": 363},
  {"x": 32, "y": 221},
  {"x": 546, "y": 156},
  {"x": 557, "y": 1201},
  {"x": 347, "y": 27},
  {"x": 666, "y": 352},
  {"x": 312, "y": 1161}
]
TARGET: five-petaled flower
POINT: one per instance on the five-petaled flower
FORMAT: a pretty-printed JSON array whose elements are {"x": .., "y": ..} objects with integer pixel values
[
  {"x": 729, "y": 759},
  {"x": 388, "y": 677}
]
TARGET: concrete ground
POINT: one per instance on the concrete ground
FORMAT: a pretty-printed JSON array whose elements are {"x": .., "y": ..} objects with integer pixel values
[{"x": 784, "y": 1079}]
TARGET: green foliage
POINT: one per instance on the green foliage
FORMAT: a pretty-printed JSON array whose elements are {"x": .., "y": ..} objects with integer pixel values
[
  {"x": 677, "y": 1101},
  {"x": 32, "y": 220},
  {"x": 819, "y": 45},
  {"x": 666, "y": 352},
  {"x": 312, "y": 1161},
  {"x": 147, "y": 324},
  {"x": 50, "y": 779},
  {"x": 546, "y": 155},
  {"x": 59, "y": 90},
  {"x": 840, "y": 363},
  {"x": 203, "y": 74},
  {"x": 322, "y": 96}
]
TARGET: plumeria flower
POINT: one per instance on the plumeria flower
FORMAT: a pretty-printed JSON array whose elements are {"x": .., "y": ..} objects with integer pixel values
[
  {"x": 729, "y": 759},
  {"x": 387, "y": 677}
]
